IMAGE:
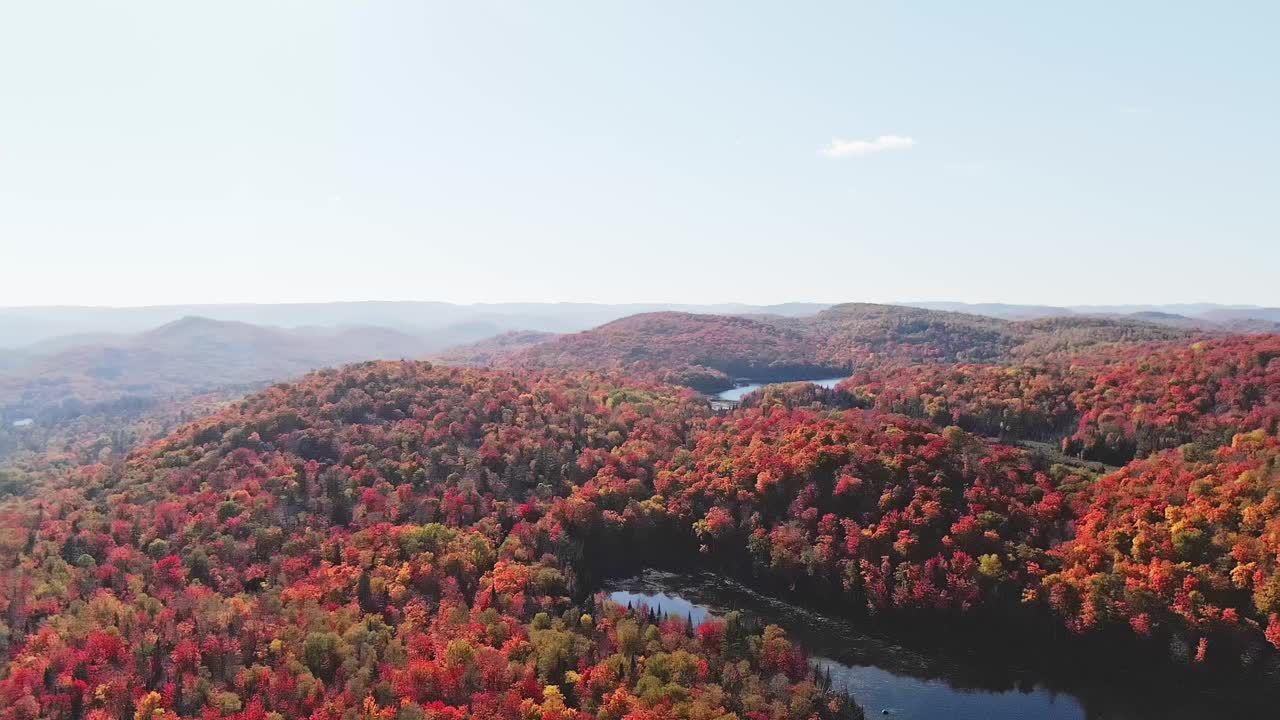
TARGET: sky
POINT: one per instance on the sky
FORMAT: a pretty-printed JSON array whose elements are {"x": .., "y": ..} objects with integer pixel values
[{"x": 157, "y": 152}]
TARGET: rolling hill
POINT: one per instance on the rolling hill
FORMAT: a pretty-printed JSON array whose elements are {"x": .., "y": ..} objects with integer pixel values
[
  {"x": 705, "y": 352},
  {"x": 708, "y": 352},
  {"x": 855, "y": 333},
  {"x": 452, "y": 324},
  {"x": 491, "y": 350},
  {"x": 396, "y": 535},
  {"x": 187, "y": 356}
]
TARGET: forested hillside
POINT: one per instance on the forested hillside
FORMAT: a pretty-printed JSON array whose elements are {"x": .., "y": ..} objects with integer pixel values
[
  {"x": 1107, "y": 405},
  {"x": 392, "y": 540},
  {"x": 189, "y": 355},
  {"x": 708, "y": 352},
  {"x": 67, "y": 395},
  {"x": 639, "y": 360},
  {"x": 701, "y": 351},
  {"x": 401, "y": 540},
  {"x": 490, "y": 350}
]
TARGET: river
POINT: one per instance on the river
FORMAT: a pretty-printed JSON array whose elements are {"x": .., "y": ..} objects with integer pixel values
[
  {"x": 890, "y": 680},
  {"x": 736, "y": 394}
]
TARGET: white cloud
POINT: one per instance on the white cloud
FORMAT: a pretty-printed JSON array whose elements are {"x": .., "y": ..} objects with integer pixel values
[{"x": 862, "y": 148}]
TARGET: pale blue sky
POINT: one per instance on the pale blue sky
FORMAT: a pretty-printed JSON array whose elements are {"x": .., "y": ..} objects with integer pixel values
[{"x": 1081, "y": 152}]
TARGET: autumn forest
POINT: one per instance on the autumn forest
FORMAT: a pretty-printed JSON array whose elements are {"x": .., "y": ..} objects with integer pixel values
[{"x": 428, "y": 538}]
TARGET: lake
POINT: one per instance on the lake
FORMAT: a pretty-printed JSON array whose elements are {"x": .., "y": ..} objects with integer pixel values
[
  {"x": 736, "y": 394},
  {"x": 909, "y": 683}
]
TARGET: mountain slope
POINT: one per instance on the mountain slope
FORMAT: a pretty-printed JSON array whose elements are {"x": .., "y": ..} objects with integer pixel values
[
  {"x": 494, "y": 349},
  {"x": 702, "y": 351},
  {"x": 1108, "y": 403},
  {"x": 860, "y": 332},
  {"x": 391, "y": 540},
  {"x": 708, "y": 351},
  {"x": 189, "y": 355},
  {"x": 20, "y": 326}
]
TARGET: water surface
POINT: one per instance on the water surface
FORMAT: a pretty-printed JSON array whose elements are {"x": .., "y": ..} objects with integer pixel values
[
  {"x": 890, "y": 680},
  {"x": 743, "y": 390}
]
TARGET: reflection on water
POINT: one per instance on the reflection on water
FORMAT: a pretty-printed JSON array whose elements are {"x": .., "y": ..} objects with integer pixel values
[
  {"x": 889, "y": 680},
  {"x": 878, "y": 689},
  {"x": 742, "y": 390},
  {"x": 664, "y": 604}
]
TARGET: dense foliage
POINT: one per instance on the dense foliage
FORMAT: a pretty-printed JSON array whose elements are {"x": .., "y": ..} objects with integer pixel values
[
  {"x": 386, "y": 541},
  {"x": 1183, "y": 544},
  {"x": 708, "y": 351},
  {"x": 889, "y": 512},
  {"x": 404, "y": 541},
  {"x": 701, "y": 351},
  {"x": 858, "y": 333},
  {"x": 104, "y": 434},
  {"x": 1112, "y": 406}
]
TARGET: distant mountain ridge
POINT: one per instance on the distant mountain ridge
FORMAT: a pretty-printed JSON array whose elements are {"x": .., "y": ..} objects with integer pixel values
[
  {"x": 189, "y": 355},
  {"x": 451, "y": 324},
  {"x": 63, "y": 376},
  {"x": 1203, "y": 315}
]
